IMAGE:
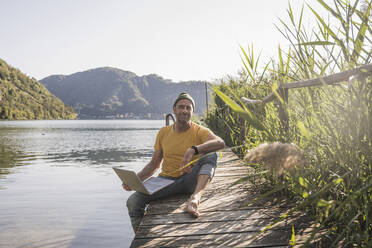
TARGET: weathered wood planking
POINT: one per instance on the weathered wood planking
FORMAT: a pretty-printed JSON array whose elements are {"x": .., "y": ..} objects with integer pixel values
[
  {"x": 277, "y": 239},
  {"x": 226, "y": 218}
]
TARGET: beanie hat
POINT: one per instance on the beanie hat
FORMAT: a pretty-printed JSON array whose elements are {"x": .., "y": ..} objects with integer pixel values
[{"x": 182, "y": 96}]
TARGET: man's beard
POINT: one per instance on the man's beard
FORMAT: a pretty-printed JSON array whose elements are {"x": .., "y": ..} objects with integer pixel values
[{"x": 183, "y": 119}]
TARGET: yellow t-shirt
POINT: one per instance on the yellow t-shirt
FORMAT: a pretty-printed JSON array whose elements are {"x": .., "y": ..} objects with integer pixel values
[{"x": 174, "y": 145}]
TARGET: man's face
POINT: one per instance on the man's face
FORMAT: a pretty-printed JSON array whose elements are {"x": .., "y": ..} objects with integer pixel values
[{"x": 183, "y": 111}]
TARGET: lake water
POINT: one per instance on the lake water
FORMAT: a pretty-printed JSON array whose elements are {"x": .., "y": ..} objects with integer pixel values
[{"x": 57, "y": 186}]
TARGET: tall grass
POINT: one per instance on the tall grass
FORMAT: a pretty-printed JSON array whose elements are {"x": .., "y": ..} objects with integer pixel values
[{"x": 332, "y": 123}]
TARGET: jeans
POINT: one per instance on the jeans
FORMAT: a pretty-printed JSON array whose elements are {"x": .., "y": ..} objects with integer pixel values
[{"x": 138, "y": 202}]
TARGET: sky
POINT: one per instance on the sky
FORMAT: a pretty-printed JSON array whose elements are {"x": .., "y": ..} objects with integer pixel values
[{"x": 179, "y": 40}]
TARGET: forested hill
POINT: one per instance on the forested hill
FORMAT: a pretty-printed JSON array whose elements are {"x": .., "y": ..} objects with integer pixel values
[
  {"x": 22, "y": 97},
  {"x": 110, "y": 92}
]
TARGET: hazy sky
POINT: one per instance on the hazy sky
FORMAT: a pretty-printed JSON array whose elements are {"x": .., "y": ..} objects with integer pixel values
[{"x": 178, "y": 40}]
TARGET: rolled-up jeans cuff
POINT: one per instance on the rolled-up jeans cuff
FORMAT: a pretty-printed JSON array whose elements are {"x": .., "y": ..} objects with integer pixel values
[
  {"x": 208, "y": 169},
  {"x": 208, "y": 165}
]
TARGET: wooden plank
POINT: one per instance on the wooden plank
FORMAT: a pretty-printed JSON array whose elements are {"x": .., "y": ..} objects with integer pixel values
[
  {"x": 216, "y": 202},
  {"x": 219, "y": 179},
  {"x": 271, "y": 238},
  {"x": 205, "y": 228},
  {"x": 229, "y": 199},
  {"x": 279, "y": 238},
  {"x": 220, "y": 188},
  {"x": 226, "y": 154},
  {"x": 213, "y": 216},
  {"x": 228, "y": 175},
  {"x": 224, "y": 169},
  {"x": 228, "y": 162},
  {"x": 232, "y": 172}
]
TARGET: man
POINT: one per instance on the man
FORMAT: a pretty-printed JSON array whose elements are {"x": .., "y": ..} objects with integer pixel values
[{"x": 176, "y": 145}]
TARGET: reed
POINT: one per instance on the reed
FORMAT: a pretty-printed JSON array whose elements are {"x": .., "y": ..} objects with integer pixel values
[{"x": 331, "y": 124}]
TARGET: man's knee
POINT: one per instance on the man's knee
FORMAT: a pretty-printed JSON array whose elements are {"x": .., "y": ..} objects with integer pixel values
[
  {"x": 210, "y": 159},
  {"x": 208, "y": 166},
  {"x": 130, "y": 202},
  {"x": 135, "y": 204}
]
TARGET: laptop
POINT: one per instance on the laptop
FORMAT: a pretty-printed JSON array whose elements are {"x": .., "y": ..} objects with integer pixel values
[{"x": 149, "y": 186}]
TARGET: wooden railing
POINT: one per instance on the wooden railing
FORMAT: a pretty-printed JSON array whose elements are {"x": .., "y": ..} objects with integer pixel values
[
  {"x": 348, "y": 75},
  {"x": 282, "y": 90}
]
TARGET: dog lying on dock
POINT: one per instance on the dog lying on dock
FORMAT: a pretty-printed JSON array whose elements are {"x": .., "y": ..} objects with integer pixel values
[{"x": 277, "y": 157}]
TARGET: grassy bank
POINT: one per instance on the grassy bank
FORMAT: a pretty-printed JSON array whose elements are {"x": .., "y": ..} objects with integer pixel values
[{"x": 331, "y": 123}]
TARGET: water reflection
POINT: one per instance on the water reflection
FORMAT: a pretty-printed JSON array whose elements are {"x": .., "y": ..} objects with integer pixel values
[
  {"x": 57, "y": 188},
  {"x": 75, "y": 143},
  {"x": 99, "y": 157},
  {"x": 10, "y": 158}
]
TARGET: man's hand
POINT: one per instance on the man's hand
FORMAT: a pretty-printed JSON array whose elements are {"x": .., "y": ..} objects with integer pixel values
[
  {"x": 189, "y": 154},
  {"x": 126, "y": 187}
]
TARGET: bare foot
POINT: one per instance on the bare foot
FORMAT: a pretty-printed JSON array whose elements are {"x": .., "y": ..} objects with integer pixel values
[{"x": 192, "y": 206}]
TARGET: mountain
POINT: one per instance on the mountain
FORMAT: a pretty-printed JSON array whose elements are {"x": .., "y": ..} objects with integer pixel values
[
  {"x": 23, "y": 98},
  {"x": 110, "y": 92}
]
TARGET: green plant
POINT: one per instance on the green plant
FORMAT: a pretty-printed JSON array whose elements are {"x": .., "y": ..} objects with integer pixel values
[{"x": 331, "y": 123}]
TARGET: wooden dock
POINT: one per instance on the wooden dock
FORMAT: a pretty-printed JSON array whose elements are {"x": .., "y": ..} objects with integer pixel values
[{"x": 226, "y": 219}]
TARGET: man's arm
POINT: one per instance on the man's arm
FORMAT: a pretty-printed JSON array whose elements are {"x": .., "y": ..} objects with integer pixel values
[
  {"x": 150, "y": 168},
  {"x": 212, "y": 144}
]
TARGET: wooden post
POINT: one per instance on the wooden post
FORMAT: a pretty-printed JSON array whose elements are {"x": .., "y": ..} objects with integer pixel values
[
  {"x": 283, "y": 115},
  {"x": 206, "y": 97}
]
